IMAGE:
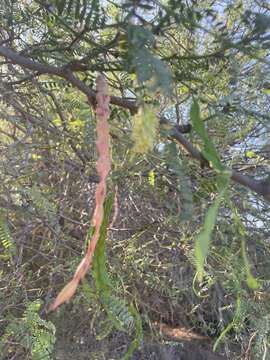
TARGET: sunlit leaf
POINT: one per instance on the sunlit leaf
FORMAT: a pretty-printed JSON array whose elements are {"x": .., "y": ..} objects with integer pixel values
[
  {"x": 250, "y": 154},
  {"x": 144, "y": 131},
  {"x": 209, "y": 150},
  {"x": 151, "y": 178},
  {"x": 203, "y": 239},
  {"x": 251, "y": 281}
]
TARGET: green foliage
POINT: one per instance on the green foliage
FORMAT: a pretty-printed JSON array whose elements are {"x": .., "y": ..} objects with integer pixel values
[
  {"x": 33, "y": 333},
  {"x": 236, "y": 320},
  {"x": 41, "y": 203},
  {"x": 149, "y": 69},
  {"x": 7, "y": 243},
  {"x": 99, "y": 261},
  {"x": 202, "y": 241},
  {"x": 262, "y": 337},
  {"x": 144, "y": 130},
  {"x": 151, "y": 178},
  {"x": 209, "y": 150},
  {"x": 213, "y": 51},
  {"x": 55, "y": 85},
  {"x": 122, "y": 317},
  {"x": 86, "y": 13},
  {"x": 179, "y": 168},
  {"x": 138, "y": 333},
  {"x": 251, "y": 281},
  {"x": 249, "y": 314}
]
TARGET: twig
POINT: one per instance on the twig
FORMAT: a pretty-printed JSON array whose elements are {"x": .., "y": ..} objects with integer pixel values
[{"x": 260, "y": 187}]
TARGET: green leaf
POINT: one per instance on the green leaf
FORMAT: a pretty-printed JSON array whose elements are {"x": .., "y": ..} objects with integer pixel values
[
  {"x": 144, "y": 131},
  {"x": 180, "y": 168},
  {"x": 209, "y": 151},
  {"x": 99, "y": 259},
  {"x": 151, "y": 178},
  {"x": 251, "y": 281},
  {"x": 250, "y": 154},
  {"x": 121, "y": 316},
  {"x": 203, "y": 239},
  {"x": 231, "y": 325},
  {"x": 149, "y": 69},
  {"x": 60, "y": 6},
  {"x": 6, "y": 240},
  {"x": 138, "y": 333},
  {"x": 33, "y": 333}
]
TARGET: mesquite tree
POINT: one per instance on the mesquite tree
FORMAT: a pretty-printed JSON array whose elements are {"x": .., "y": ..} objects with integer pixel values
[{"x": 188, "y": 87}]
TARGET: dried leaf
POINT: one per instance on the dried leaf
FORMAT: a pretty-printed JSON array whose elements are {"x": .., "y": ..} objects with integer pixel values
[{"x": 65, "y": 294}]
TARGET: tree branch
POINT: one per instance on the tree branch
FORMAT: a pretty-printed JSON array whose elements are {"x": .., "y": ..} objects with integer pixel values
[
  {"x": 65, "y": 73},
  {"x": 260, "y": 187}
]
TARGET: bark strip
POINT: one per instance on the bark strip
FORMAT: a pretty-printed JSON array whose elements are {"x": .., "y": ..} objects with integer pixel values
[{"x": 103, "y": 167}]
